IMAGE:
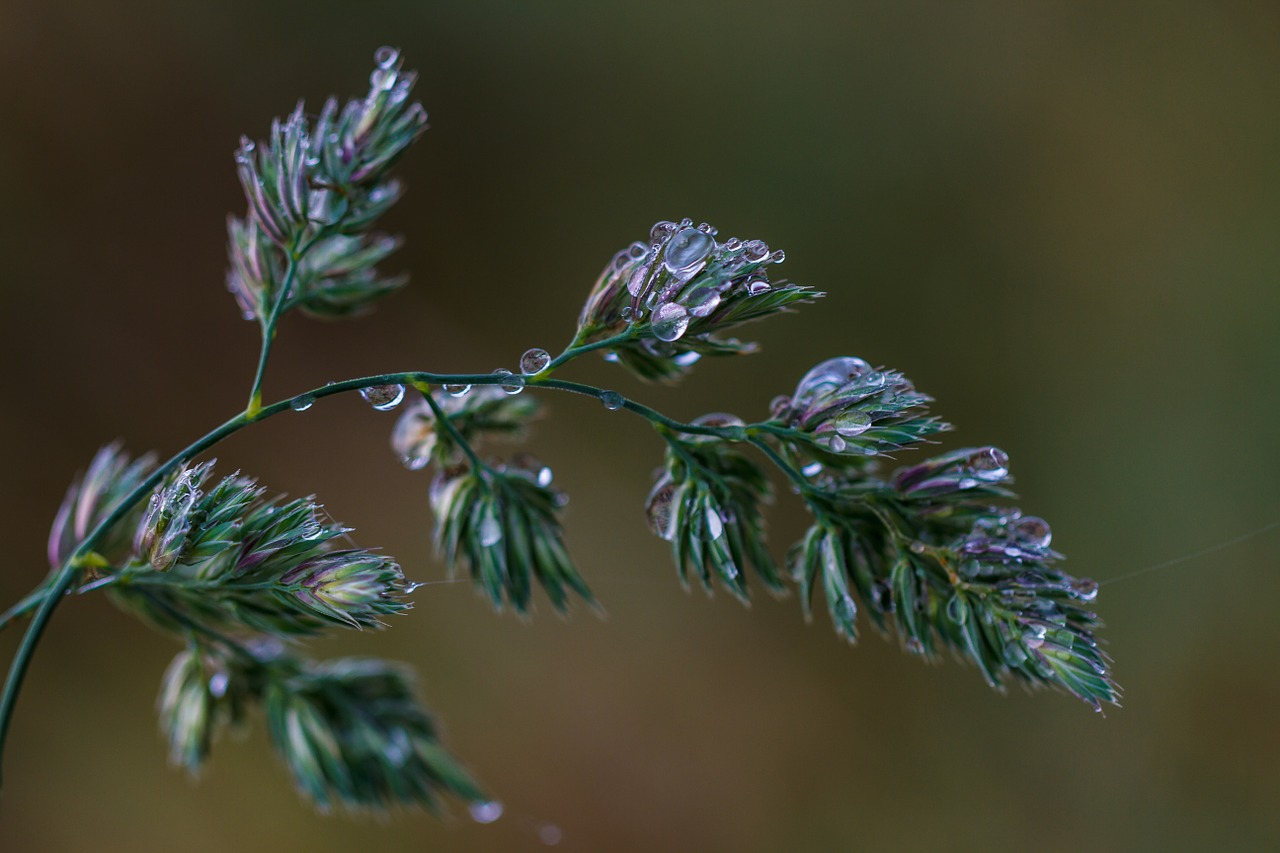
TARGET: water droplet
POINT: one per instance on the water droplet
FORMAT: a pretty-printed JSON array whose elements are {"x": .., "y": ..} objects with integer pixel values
[
  {"x": 626, "y": 313},
  {"x": 398, "y": 748},
  {"x": 688, "y": 248},
  {"x": 1033, "y": 635},
  {"x": 218, "y": 683},
  {"x": 1086, "y": 589},
  {"x": 302, "y": 402},
  {"x": 831, "y": 374},
  {"x": 415, "y": 463},
  {"x": 383, "y": 397},
  {"x": 457, "y": 390},
  {"x": 657, "y": 509},
  {"x": 550, "y": 834},
  {"x": 778, "y": 256},
  {"x": 989, "y": 463},
  {"x": 661, "y": 230},
  {"x": 966, "y": 483},
  {"x": 712, "y": 525},
  {"x": 490, "y": 531},
  {"x": 486, "y": 812},
  {"x": 385, "y": 57},
  {"x": 612, "y": 400},
  {"x": 611, "y": 357},
  {"x": 702, "y": 299},
  {"x": 846, "y": 610},
  {"x": 637, "y": 250},
  {"x": 534, "y": 360},
  {"x": 669, "y": 321},
  {"x": 1014, "y": 654},
  {"x": 852, "y": 423},
  {"x": 545, "y": 476},
  {"x": 733, "y": 244},
  {"x": 1033, "y": 531},
  {"x": 755, "y": 250},
  {"x": 757, "y": 286},
  {"x": 957, "y": 609},
  {"x": 687, "y": 358},
  {"x": 412, "y": 587},
  {"x": 813, "y": 469},
  {"x": 512, "y": 384},
  {"x": 636, "y": 283},
  {"x": 833, "y": 442}
]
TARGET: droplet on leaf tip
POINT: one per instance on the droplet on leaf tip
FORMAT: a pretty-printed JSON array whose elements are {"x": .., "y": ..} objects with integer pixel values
[{"x": 486, "y": 812}]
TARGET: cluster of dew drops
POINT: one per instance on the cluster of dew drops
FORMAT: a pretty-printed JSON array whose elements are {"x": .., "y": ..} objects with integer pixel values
[{"x": 658, "y": 271}]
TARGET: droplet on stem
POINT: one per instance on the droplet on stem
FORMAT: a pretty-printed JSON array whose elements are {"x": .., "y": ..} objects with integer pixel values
[
  {"x": 383, "y": 398},
  {"x": 513, "y": 384},
  {"x": 612, "y": 400},
  {"x": 302, "y": 402},
  {"x": 534, "y": 361}
]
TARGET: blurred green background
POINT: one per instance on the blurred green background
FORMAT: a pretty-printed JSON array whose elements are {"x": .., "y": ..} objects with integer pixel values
[{"x": 1058, "y": 218}]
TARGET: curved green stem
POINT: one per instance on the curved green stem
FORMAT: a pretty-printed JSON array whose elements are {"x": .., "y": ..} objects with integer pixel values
[
  {"x": 70, "y": 571},
  {"x": 45, "y": 599},
  {"x": 576, "y": 349},
  {"x": 640, "y": 409},
  {"x": 269, "y": 332}
]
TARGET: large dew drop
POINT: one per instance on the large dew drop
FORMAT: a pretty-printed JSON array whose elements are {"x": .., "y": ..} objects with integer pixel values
[
  {"x": 534, "y": 361},
  {"x": 612, "y": 400},
  {"x": 383, "y": 397},
  {"x": 669, "y": 321},
  {"x": 852, "y": 423},
  {"x": 302, "y": 402},
  {"x": 702, "y": 299},
  {"x": 1034, "y": 531},
  {"x": 489, "y": 532},
  {"x": 688, "y": 248},
  {"x": 989, "y": 464},
  {"x": 457, "y": 390},
  {"x": 831, "y": 374}
]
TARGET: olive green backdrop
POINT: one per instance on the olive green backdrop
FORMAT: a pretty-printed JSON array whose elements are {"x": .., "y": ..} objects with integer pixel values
[{"x": 1060, "y": 219}]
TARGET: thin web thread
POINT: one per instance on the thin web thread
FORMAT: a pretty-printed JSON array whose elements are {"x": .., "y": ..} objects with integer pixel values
[{"x": 1221, "y": 546}]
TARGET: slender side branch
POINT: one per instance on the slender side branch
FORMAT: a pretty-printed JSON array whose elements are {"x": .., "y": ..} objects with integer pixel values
[{"x": 269, "y": 332}]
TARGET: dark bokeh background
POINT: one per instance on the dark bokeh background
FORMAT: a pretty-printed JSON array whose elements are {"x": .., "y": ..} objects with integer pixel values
[{"x": 1059, "y": 219}]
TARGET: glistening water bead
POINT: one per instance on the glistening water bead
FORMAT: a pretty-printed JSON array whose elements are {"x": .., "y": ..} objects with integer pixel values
[
  {"x": 534, "y": 361},
  {"x": 669, "y": 321},
  {"x": 457, "y": 390},
  {"x": 852, "y": 423},
  {"x": 687, "y": 248},
  {"x": 612, "y": 400},
  {"x": 383, "y": 397},
  {"x": 302, "y": 402},
  {"x": 512, "y": 384}
]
